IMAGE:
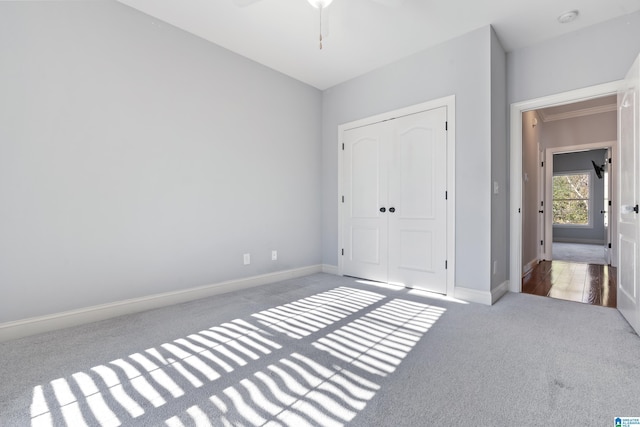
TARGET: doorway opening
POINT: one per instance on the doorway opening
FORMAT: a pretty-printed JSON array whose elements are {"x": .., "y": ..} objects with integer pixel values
[
  {"x": 562, "y": 246},
  {"x": 579, "y": 204},
  {"x": 575, "y": 147}
]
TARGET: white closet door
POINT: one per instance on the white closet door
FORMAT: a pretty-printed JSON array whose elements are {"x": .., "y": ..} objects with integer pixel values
[
  {"x": 365, "y": 191},
  {"x": 417, "y": 209}
]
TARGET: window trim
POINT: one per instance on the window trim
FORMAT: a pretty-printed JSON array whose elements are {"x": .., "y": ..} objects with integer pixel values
[{"x": 590, "y": 173}]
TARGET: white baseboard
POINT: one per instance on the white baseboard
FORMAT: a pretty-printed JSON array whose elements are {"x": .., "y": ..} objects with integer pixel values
[
  {"x": 331, "y": 269},
  {"x": 581, "y": 241},
  {"x": 473, "y": 295},
  {"x": 40, "y": 324},
  {"x": 482, "y": 297},
  {"x": 499, "y": 292}
]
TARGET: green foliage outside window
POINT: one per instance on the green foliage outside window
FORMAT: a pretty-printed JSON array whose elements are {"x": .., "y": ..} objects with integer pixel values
[{"x": 571, "y": 199}]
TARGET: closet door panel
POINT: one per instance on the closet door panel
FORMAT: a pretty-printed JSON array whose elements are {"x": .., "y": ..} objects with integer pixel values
[
  {"x": 365, "y": 186},
  {"x": 417, "y": 185},
  {"x": 416, "y": 170}
]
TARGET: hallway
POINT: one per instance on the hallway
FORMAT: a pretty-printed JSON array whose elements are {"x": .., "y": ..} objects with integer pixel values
[{"x": 587, "y": 283}]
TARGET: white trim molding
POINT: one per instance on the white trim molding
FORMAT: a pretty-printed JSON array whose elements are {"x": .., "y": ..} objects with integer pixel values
[
  {"x": 546, "y": 117},
  {"x": 499, "y": 292},
  {"x": 40, "y": 324},
  {"x": 473, "y": 295},
  {"x": 482, "y": 297},
  {"x": 330, "y": 269}
]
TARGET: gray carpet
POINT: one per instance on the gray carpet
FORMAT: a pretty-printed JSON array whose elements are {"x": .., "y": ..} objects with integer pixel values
[
  {"x": 326, "y": 350},
  {"x": 578, "y": 252}
]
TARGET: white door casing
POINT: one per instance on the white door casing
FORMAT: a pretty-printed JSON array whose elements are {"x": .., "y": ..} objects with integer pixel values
[
  {"x": 415, "y": 246},
  {"x": 628, "y": 199}
]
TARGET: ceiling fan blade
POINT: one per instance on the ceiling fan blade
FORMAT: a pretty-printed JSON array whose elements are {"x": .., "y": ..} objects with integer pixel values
[
  {"x": 390, "y": 3},
  {"x": 243, "y": 3}
]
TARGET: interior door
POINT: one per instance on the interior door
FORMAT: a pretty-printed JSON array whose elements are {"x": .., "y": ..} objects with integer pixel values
[
  {"x": 606, "y": 212},
  {"x": 365, "y": 202},
  {"x": 628, "y": 111},
  {"x": 417, "y": 205},
  {"x": 542, "y": 253}
]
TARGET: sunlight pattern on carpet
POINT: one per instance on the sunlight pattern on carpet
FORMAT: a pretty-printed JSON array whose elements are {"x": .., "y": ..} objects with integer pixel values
[
  {"x": 306, "y": 316},
  {"x": 347, "y": 339}
]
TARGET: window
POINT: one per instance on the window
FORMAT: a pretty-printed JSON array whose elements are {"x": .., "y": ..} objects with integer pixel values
[{"x": 572, "y": 199}]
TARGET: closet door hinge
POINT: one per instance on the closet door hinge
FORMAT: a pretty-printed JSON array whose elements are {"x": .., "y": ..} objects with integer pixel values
[
  {"x": 609, "y": 245},
  {"x": 343, "y": 146},
  {"x": 446, "y": 125},
  {"x": 342, "y": 199},
  {"x": 343, "y": 251},
  {"x": 446, "y": 195},
  {"x": 446, "y": 264},
  {"x": 541, "y": 164},
  {"x": 541, "y": 242}
]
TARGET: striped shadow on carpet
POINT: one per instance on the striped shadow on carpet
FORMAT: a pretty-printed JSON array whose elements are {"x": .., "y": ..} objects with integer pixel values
[{"x": 297, "y": 389}]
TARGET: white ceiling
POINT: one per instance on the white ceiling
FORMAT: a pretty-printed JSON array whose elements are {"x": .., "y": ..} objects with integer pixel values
[{"x": 362, "y": 35}]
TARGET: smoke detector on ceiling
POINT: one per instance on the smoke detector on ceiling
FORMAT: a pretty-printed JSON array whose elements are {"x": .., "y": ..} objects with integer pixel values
[{"x": 567, "y": 17}]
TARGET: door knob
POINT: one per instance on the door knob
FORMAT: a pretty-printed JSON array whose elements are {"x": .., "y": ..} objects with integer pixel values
[
  {"x": 603, "y": 212},
  {"x": 383, "y": 209},
  {"x": 392, "y": 210},
  {"x": 540, "y": 211}
]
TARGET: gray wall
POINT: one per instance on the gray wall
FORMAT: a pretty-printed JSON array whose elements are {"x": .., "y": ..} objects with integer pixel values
[
  {"x": 573, "y": 162},
  {"x": 499, "y": 163},
  {"x": 461, "y": 67},
  {"x": 137, "y": 159},
  {"x": 590, "y": 129},
  {"x": 587, "y": 57}
]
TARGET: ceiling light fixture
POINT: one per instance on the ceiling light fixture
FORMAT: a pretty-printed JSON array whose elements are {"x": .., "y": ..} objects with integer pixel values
[
  {"x": 320, "y": 4},
  {"x": 567, "y": 17}
]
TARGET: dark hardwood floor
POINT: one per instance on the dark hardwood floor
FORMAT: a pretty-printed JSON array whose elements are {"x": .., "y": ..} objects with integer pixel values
[{"x": 586, "y": 283}]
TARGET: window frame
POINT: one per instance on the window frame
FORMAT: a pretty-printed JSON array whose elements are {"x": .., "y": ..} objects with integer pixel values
[{"x": 590, "y": 174}]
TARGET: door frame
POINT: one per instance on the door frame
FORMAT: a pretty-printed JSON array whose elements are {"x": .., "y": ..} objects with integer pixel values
[
  {"x": 450, "y": 103},
  {"x": 548, "y": 193},
  {"x": 515, "y": 160}
]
